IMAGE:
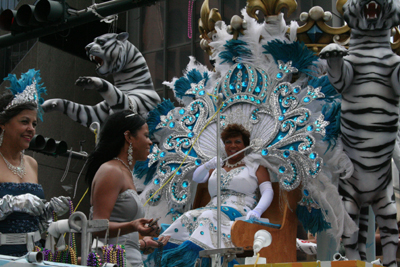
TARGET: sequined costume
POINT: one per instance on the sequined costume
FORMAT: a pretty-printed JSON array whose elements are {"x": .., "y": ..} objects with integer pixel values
[
  {"x": 199, "y": 227},
  {"x": 19, "y": 222},
  {"x": 127, "y": 208}
]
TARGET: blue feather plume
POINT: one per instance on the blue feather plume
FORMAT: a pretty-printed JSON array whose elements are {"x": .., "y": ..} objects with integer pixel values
[
  {"x": 331, "y": 112},
  {"x": 302, "y": 57},
  {"x": 185, "y": 255},
  {"x": 326, "y": 88},
  {"x": 142, "y": 169},
  {"x": 153, "y": 118},
  {"x": 313, "y": 221},
  {"x": 27, "y": 78},
  {"x": 234, "y": 49},
  {"x": 184, "y": 83}
]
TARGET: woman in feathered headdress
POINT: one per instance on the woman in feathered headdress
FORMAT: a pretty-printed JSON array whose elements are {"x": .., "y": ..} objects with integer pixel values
[{"x": 23, "y": 212}]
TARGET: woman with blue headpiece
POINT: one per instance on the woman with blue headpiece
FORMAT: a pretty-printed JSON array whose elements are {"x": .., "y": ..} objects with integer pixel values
[{"x": 24, "y": 213}]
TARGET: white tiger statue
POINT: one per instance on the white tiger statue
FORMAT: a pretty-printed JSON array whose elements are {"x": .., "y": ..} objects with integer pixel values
[
  {"x": 133, "y": 87},
  {"x": 367, "y": 76}
]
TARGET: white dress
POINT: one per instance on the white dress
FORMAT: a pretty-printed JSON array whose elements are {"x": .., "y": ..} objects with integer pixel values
[{"x": 199, "y": 226}]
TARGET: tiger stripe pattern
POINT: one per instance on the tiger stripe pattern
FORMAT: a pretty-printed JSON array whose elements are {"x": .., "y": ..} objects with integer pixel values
[
  {"x": 367, "y": 76},
  {"x": 133, "y": 87}
]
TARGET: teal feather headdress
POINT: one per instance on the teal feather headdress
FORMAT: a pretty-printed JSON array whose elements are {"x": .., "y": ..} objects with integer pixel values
[
  {"x": 235, "y": 49},
  {"x": 183, "y": 84},
  {"x": 154, "y": 117},
  {"x": 301, "y": 57},
  {"x": 27, "y": 89}
]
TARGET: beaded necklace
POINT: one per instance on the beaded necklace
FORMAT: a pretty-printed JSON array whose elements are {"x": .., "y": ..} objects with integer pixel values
[
  {"x": 126, "y": 165},
  {"x": 93, "y": 259},
  {"x": 233, "y": 165},
  {"x": 68, "y": 255},
  {"x": 114, "y": 253},
  {"x": 20, "y": 170}
]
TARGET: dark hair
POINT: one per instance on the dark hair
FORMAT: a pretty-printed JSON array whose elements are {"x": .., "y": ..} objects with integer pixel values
[
  {"x": 7, "y": 115},
  {"x": 112, "y": 139},
  {"x": 234, "y": 130}
]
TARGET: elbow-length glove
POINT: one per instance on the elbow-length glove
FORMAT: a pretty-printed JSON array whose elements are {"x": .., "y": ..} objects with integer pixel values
[
  {"x": 267, "y": 194},
  {"x": 201, "y": 174},
  {"x": 26, "y": 203},
  {"x": 58, "y": 205}
]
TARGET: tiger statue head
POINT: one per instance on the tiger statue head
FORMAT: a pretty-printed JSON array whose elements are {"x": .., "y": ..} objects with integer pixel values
[
  {"x": 367, "y": 15},
  {"x": 110, "y": 52}
]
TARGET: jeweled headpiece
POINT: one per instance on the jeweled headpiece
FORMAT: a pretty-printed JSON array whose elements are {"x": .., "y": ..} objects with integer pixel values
[{"x": 26, "y": 90}]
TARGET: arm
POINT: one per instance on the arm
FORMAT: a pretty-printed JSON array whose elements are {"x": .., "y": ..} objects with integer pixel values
[
  {"x": 395, "y": 78},
  {"x": 204, "y": 171},
  {"x": 267, "y": 193},
  {"x": 26, "y": 203},
  {"x": 340, "y": 71},
  {"x": 107, "y": 184},
  {"x": 114, "y": 97},
  {"x": 76, "y": 111}
]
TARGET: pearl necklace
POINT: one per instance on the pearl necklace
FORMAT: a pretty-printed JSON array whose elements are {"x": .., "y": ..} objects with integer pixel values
[
  {"x": 233, "y": 165},
  {"x": 20, "y": 170},
  {"x": 126, "y": 165}
]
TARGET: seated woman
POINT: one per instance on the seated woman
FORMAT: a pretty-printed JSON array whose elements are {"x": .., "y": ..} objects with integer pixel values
[
  {"x": 124, "y": 138},
  {"x": 24, "y": 213},
  {"x": 196, "y": 230}
]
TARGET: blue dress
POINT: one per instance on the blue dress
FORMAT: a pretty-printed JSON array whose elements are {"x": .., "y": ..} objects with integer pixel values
[{"x": 19, "y": 222}]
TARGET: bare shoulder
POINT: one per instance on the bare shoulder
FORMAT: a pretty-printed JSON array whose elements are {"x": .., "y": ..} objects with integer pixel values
[
  {"x": 31, "y": 161},
  {"x": 31, "y": 167},
  {"x": 109, "y": 173}
]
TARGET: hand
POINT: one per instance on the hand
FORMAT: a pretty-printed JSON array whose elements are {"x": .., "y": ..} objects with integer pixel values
[
  {"x": 150, "y": 242},
  {"x": 212, "y": 163},
  {"x": 142, "y": 226},
  {"x": 253, "y": 215},
  {"x": 60, "y": 205},
  {"x": 90, "y": 83}
]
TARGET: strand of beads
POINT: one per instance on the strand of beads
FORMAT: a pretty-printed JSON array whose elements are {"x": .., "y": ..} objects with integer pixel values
[
  {"x": 68, "y": 255},
  {"x": 93, "y": 259},
  {"x": 159, "y": 253},
  {"x": 114, "y": 254},
  {"x": 47, "y": 255},
  {"x": 190, "y": 9},
  {"x": 72, "y": 239}
]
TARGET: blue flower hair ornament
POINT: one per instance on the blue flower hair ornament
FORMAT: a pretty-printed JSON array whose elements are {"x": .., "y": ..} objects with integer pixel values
[{"x": 27, "y": 89}]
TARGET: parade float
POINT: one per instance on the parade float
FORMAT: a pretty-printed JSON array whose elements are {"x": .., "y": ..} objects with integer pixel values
[{"x": 273, "y": 79}]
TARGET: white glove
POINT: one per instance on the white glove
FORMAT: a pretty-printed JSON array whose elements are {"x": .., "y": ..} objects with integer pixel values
[
  {"x": 26, "y": 203},
  {"x": 212, "y": 163},
  {"x": 201, "y": 174},
  {"x": 59, "y": 205},
  {"x": 267, "y": 194}
]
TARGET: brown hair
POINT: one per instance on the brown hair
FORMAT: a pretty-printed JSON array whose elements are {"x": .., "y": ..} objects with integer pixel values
[{"x": 234, "y": 130}]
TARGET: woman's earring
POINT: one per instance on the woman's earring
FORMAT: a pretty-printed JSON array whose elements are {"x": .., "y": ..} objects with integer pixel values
[
  {"x": 130, "y": 153},
  {"x": 1, "y": 137}
]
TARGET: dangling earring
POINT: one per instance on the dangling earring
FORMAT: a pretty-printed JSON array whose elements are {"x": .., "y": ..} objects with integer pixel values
[
  {"x": 130, "y": 153},
  {"x": 1, "y": 137}
]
